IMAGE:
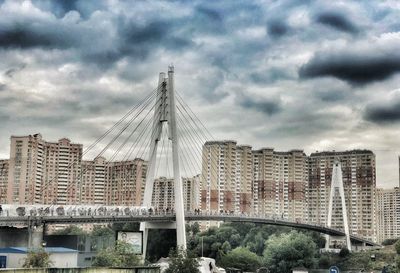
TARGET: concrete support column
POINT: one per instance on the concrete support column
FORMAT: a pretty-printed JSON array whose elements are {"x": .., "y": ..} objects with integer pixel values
[{"x": 35, "y": 236}]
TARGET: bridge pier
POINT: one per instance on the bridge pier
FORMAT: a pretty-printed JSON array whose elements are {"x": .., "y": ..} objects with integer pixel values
[
  {"x": 35, "y": 236},
  {"x": 146, "y": 226}
]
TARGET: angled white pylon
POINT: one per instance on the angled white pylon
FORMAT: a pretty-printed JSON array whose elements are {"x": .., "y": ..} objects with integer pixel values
[
  {"x": 165, "y": 113},
  {"x": 337, "y": 185}
]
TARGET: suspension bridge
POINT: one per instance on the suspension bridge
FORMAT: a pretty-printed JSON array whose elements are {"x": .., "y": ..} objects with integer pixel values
[{"x": 163, "y": 130}]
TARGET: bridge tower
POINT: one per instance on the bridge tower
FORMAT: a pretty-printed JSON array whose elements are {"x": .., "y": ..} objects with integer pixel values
[
  {"x": 164, "y": 113},
  {"x": 337, "y": 191}
]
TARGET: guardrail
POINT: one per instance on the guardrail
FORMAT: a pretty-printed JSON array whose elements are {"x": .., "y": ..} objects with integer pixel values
[{"x": 52, "y": 214}]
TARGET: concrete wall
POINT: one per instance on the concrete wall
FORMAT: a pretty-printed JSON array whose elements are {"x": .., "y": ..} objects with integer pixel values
[
  {"x": 14, "y": 237},
  {"x": 61, "y": 260},
  {"x": 14, "y": 260},
  {"x": 82, "y": 270}
]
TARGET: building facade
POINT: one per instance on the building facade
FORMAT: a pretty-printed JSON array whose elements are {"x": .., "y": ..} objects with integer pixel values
[
  {"x": 25, "y": 173},
  {"x": 226, "y": 177},
  {"x": 388, "y": 214},
  {"x": 3, "y": 180},
  {"x": 93, "y": 181},
  {"x": 163, "y": 198},
  {"x": 61, "y": 172},
  {"x": 43, "y": 172},
  {"x": 359, "y": 181},
  {"x": 280, "y": 183},
  {"x": 125, "y": 182}
]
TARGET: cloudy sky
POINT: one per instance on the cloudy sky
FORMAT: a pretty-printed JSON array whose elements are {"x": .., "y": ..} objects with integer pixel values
[{"x": 312, "y": 75}]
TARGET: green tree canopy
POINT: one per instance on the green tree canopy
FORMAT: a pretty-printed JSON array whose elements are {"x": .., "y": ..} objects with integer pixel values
[
  {"x": 397, "y": 246},
  {"x": 102, "y": 231},
  {"x": 284, "y": 252},
  {"x": 70, "y": 230},
  {"x": 120, "y": 255},
  {"x": 182, "y": 262},
  {"x": 241, "y": 258}
]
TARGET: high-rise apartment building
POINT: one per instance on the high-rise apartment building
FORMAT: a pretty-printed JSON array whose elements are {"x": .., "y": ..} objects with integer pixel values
[
  {"x": 43, "y": 172},
  {"x": 3, "y": 180},
  {"x": 359, "y": 181},
  {"x": 279, "y": 183},
  {"x": 221, "y": 185},
  {"x": 125, "y": 182},
  {"x": 62, "y": 170},
  {"x": 163, "y": 198},
  {"x": 25, "y": 174},
  {"x": 191, "y": 192},
  {"x": 93, "y": 181},
  {"x": 244, "y": 178},
  {"x": 387, "y": 214},
  {"x": 163, "y": 194}
]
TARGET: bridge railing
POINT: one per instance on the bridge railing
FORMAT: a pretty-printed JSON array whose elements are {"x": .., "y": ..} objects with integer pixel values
[
  {"x": 100, "y": 210},
  {"x": 71, "y": 210},
  {"x": 80, "y": 211}
]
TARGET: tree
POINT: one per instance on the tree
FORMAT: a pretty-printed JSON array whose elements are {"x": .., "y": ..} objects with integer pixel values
[
  {"x": 344, "y": 252},
  {"x": 182, "y": 262},
  {"x": 102, "y": 231},
  {"x": 37, "y": 258},
  {"x": 241, "y": 258},
  {"x": 389, "y": 242},
  {"x": 284, "y": 252},
  {"x": 70, "y": 230},
  {"x": 397, "y": 246},
  {"x": 120, "y": 255},
  {"x": 324, "y": 261}
]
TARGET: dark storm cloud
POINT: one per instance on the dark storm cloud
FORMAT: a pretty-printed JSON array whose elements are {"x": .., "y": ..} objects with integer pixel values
[
  {"x": 277, "y": 28},
  {"x": 356, "y": 69},
  {"x": 26, "y": 36},
  {"x": 156, "y": 33},
  {"x": 133, "y": 40},
  {"x": 337, "y": 21},
  {"x": 138, "y": 41},
  {"x": 388, "y": 113},
  {"x": 269, "y": 107}
]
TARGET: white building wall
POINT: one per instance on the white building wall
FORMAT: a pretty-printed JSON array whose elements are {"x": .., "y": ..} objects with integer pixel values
[{"x": 59, "y": 260}]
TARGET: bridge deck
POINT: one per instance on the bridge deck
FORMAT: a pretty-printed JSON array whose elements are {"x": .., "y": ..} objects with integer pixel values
[{"x": 80, "y": 219}]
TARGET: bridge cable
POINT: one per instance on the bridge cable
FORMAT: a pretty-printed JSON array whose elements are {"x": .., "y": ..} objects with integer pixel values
[
  {"x": 48, "y": 183},
  {"x": 226, "y": 173},
  {"x": 181, "y": 102},
  {"x": 142, "y": 106}
]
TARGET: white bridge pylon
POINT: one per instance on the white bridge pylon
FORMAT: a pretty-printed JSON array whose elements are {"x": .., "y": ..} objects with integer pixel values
[
  {"x": 164, "y": 112},
  {"x": 337, "y": 187}
]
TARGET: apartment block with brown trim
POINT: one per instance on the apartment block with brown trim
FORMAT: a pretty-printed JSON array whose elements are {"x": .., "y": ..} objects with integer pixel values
[
  {"x": 279, "y": 183},
  {"x": 25, "y": 174},
  {"x": 244, "y": 176},
  {"x": 93, "y": 185},
  {"x": 125, "y": 182},
  {"x": 62, "y": 170},
  {"x": 219, "y": 176},
  {"x": 359, "y": 181}
]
